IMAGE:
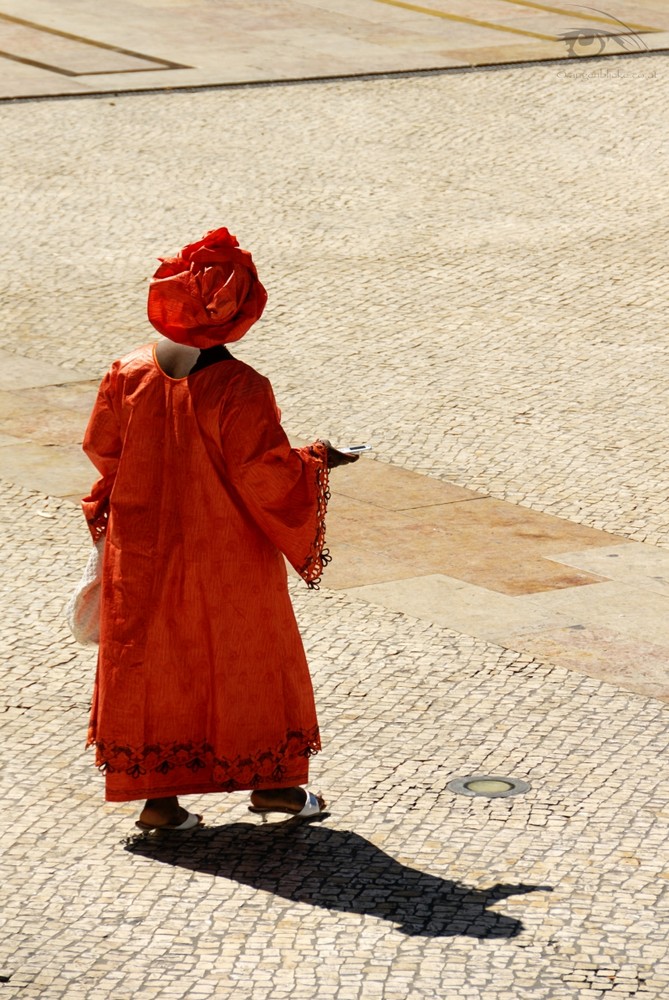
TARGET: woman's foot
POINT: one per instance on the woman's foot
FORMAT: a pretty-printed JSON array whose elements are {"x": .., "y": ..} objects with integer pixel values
[
  {"x": 167, "y": 812},
  {"x": 291, "y": 800}
]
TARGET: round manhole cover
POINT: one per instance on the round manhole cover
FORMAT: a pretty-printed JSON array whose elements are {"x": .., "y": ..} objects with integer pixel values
[{"x": 492, "y": 786}]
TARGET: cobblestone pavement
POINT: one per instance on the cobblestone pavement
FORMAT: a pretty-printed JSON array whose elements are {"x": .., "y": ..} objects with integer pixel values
[
  {"x": 405, "y": 891},
  {"x": 466, "y": 269}
]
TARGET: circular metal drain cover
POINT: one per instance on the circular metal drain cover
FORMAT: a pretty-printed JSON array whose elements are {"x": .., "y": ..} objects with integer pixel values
[{"x": 492, "y": 786}]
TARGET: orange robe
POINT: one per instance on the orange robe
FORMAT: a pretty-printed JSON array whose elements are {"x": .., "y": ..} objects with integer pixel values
[{"x": 202, "y": 682}]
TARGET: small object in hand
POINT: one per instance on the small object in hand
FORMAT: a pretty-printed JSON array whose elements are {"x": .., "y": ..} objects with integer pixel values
[
  {"x": 355, "y": 449},
  {"x": 337, "y": 457}
]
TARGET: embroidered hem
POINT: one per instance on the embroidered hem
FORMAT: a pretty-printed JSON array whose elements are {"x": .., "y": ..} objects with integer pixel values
[
  {"x": 130, "y": 792},
  {"x": 200, "y": 759}
]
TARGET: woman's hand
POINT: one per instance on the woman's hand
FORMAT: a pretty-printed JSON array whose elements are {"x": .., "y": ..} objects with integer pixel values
[{"x": 335, "y": 457}]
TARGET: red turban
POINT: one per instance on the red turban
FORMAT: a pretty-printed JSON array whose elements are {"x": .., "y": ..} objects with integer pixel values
[{"x": 208, "y": 294}]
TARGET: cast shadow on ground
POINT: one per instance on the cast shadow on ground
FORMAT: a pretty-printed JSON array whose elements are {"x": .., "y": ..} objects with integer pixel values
[{"x": 336, "y": 870}]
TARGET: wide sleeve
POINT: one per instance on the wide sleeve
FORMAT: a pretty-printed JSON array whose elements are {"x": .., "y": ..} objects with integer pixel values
[
  {"x": 102, "y": 444},
  {"x": 284, "y": 489}
]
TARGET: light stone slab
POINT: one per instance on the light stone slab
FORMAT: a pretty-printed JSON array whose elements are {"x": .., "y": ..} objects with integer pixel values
[
  {"x": 57, "y": 470},
  {"x": 603, "y": 653},
  {"x": 607, "y": 630},
  {"x": 481, "y": 541},
  {"x": 392, "y": 488},
  {"x": 18, "y": 372},
  {"x": 51, "y": 414},
  {"x": 635, "y": 564},
  {"x": 463, "y": 607},
  {"x": 280, "y": 41},
  {"x": 641, "y": 613},
  {"x": 6, "y": 439}
]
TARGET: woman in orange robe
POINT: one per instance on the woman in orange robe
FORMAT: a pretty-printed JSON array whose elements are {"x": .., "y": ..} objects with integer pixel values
[{"x": 202, "y": 682}]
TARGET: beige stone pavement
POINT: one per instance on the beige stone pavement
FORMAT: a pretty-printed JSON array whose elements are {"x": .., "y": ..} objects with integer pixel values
[
  {"x": 469, "y": 270},
  {"x": 85, "y": 47}
]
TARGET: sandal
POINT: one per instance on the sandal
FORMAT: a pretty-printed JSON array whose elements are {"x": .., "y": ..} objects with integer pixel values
[
  {"x": 309, "y": 810},
  {"x": 191, "y": 821}
]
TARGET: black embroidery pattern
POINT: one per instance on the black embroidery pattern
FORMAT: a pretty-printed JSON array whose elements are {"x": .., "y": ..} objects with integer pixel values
[
  {"x": 231, "y": 774},
  {"x": 318, "y": 558}
]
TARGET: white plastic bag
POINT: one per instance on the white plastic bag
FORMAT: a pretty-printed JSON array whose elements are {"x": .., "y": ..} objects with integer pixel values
[{"x": 83, "y": 608}]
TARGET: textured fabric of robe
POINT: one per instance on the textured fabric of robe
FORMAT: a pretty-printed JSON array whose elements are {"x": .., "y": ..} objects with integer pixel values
[{"x": 202, "y": 682}]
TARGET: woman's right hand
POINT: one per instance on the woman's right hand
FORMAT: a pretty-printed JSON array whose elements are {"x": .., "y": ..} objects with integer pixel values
[{"x": 335, "y": 457}]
